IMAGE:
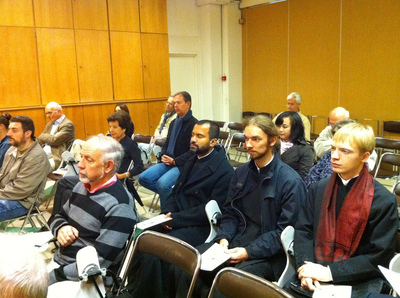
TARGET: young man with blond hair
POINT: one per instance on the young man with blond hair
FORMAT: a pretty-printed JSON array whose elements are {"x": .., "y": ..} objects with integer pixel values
[{"x": 349, "y": 223}]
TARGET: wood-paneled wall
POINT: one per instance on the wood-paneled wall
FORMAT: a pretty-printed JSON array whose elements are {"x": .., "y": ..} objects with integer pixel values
[
  {"x": 86, "y": 55},
  {"x": 334, "y": 53}
]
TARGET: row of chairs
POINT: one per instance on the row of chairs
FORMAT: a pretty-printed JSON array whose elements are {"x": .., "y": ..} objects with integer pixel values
[
  {"x": 231, "y": 282},
  {"x": 388, "y": 151}
]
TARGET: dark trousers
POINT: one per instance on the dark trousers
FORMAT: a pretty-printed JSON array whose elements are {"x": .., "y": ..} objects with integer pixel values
[{"x": 63, "y": 193}]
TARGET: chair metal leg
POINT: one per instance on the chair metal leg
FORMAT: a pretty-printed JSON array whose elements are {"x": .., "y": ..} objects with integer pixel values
[
  {"x": 52, "y": 193},
  {"x": 154, "y": 202}
]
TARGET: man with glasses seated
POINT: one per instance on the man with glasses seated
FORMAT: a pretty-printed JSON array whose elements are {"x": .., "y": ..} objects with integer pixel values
[{"x": 58, "y": 134}]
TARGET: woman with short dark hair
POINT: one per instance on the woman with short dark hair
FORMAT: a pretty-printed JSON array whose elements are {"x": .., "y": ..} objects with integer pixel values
[{"x": 121, "y": 107}]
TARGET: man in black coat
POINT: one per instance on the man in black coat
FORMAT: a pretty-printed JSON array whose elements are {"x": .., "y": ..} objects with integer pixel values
[{"x": 205, "y": 176}]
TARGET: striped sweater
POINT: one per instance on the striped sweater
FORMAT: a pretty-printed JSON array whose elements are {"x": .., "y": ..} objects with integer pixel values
[{"x": 104, "y": 220}]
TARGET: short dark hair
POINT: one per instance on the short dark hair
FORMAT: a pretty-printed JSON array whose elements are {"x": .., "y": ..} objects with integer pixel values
[
  {"x": 123, "y": 118},
  {"x": 5, "y": 119},
  {"x": 297, "y": 126},
  {"x": 213, "y": 132},
  {"x": 264, "y": 123},
  {"x": 26, "y": 123},
  {"x": 186, "y": 96},
  {"x": 123, "y": 107}
]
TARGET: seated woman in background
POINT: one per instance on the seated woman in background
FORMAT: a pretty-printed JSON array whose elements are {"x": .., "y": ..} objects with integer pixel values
[
  {"x": 4, "y": 144},
  {"x": 294, "y": 151},
  {"x": 123, "y": 107}
]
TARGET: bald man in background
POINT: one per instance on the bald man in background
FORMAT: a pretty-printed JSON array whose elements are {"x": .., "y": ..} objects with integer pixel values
[{"x": 324, "y": 142}]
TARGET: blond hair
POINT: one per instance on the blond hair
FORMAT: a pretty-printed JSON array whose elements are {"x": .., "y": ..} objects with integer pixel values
[{"x": 357, "y": 134}]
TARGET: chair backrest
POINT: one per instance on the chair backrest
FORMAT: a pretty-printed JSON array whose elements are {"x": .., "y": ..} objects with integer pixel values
[
  {"x": 171, "y": 250},
  {"x": 269, "y": 115},
  {"x": 387, "y": 143},
  {"x": 236, "y": 126},
  {"x": 391, "y": 126},
  {"x": 160, "y": 142},
  {"x": 221, "y": 124},
  {"x": 237, "y": 283},
  {"x": 214, "y": 215},
  {"x": 389, "y": 158},
  {"x": 143, "y": 138},
  {"x": 287, "y": 239},
  {"x": 247, "y": 114}
]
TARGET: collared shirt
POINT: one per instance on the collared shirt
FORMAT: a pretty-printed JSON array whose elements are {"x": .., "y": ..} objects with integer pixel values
[
  {"x": 47, "y": 148},
  {"x": 107, "y": 184}
]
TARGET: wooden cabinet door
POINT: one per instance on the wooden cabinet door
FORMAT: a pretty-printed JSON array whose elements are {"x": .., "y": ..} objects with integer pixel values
[
  {"x": 90, "y": 14},
  {"x": 57, "y": 65},
  {"x": 19, "y": 79},
  {"x": 153, "y": 16},
  {"x": 94, "y": 65},
  {"x": 95, "y": 117},
  {"x": 16, "y": 13},
  {"x": 155, "y": 65},
  {"x": 124, "y": 15},
  {"x": 139, "y": 114},
  {"x": 127, "y": 65},
  {"x": 53, "y": 14}
]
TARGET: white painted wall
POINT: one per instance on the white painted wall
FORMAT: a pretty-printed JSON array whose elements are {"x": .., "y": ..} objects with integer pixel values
[{"x": 207, "y": 39}]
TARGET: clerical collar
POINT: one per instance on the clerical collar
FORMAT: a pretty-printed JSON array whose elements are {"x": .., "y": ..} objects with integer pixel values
[
  {"x": 206, "y": 154},
  {"x": 345, "y": 182},
  {"x": 259, "y": 168}
]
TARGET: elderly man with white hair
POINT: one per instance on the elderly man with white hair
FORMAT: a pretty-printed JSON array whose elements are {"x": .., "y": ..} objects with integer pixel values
[
  {"x": 99, "y": 213},
  {"x": 293, "y": 104},
  {"x": 324, "y": 141},
  {"x": 58, "y": 134}
]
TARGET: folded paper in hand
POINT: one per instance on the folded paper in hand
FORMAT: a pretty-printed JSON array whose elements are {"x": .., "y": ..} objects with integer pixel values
[
  {"x": 156, "y": 220},
  {"x": 213, "y": 257}
]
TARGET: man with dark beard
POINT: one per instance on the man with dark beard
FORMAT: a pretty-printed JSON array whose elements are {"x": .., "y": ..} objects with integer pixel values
[{"x": 205, "y": 176}]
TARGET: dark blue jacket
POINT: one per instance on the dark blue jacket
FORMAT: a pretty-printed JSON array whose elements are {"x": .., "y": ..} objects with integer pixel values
[
  {"x": 182, "y": 143},
  {"x": 283, "y": 191}
]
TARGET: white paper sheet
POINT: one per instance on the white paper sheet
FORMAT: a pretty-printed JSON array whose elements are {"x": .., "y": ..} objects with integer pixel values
[
  {"x": 337, "y": 291},
  {"x": 213, "y": 257},
  {"x": 153, "y": 221}
]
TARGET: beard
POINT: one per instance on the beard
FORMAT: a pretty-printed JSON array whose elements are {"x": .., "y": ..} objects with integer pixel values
[
  {"x": 199, "y": 150},
  {"x": 85, "y": 179}
]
